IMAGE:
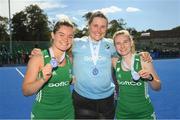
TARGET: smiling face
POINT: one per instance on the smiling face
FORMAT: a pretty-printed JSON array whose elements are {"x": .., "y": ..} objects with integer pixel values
[
  {"x": 123, "y": 44},
  {"x": 97, "y": 28},
  {"x": 62, "y": 37}
]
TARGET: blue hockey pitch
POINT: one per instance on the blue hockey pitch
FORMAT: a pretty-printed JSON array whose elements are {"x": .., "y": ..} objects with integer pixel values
[{"x": 13, "y": 105}]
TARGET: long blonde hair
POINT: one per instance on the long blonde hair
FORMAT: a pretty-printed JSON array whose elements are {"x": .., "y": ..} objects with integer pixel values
[{"x": 126, "y": 33}]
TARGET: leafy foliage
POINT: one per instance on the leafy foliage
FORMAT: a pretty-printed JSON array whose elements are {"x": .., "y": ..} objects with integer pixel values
[
  {"x": 30, "y": 24},
  {"x": 3, "y": 28}
]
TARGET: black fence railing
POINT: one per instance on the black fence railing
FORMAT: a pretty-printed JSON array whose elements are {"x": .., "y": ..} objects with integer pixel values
[{"x": 20, "y": 51}]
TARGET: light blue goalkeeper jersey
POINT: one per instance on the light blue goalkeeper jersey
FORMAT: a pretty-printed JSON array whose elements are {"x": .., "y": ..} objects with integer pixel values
[{"x": 91, "y": 85}]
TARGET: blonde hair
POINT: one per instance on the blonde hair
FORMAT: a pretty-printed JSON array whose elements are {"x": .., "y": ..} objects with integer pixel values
[{"x": 126, "y": 33}]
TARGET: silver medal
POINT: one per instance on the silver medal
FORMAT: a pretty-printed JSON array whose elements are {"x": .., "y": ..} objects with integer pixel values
[
  {"x": 135, "y": 75},
  {"x": 95, "y": 71},
  {"x": 54, "y": 62}
]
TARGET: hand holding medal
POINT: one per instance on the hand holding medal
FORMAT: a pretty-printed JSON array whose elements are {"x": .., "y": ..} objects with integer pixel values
[
  {"x": 45, "y": 72},
  {"x": 146, "y": 75}
]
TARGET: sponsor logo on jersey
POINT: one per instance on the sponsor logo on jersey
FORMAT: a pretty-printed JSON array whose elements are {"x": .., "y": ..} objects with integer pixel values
[
  {"x": 83, "y": 47},
  {"x": 107, "y": 46},
  {"x": 59, "y": 84},
  {"x": 89, "y": 58},
  {"x": 130, "y": 83}
]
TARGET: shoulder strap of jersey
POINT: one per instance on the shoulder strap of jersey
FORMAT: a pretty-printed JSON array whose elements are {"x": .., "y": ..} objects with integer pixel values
[
  {"x": 137, "y": 62},
  {"x": 46, "y": 56},
  {"x": 118, "y": 68},
  {"x": 118, "y": 62},
  {"x": 67, "y": 59}
]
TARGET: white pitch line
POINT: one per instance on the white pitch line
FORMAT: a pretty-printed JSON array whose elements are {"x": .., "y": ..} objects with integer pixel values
[{"x": 19, "y": 72}]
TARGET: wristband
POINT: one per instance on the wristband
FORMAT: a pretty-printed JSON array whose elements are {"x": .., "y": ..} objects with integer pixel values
[{"x": 151, "y": 78}]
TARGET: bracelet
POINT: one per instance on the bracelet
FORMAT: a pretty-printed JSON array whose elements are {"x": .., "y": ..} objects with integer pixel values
[
  {"x": 151, "y": 78},
  {"x": 41, "y": 76}
]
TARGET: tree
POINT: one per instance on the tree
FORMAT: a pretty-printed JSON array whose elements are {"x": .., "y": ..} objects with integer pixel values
[
  {"x": 19, "y": 32},
  {"x": 115, "y": 25},
  {"x": 134, "y": 33},
  {"x": 4, "y": 29},
  {"x": 176, "y": 28},
  {"x": 87, "y": 16},
  {"x": 85, "y": 29},
  {"x": 30, "y": 24},
  {"x": 80, "y": 33}
]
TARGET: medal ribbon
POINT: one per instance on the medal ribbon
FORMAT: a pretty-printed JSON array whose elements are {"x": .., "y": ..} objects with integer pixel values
[
  {"x": 134, "y": 74},
  {"x": 94, "y": 51},
  {"x": 59, "y": 59}
]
